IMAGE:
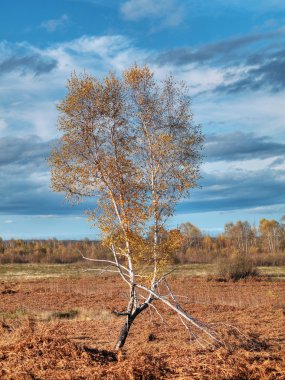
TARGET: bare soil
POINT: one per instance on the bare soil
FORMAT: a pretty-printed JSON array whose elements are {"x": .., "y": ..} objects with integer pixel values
[{"x": 64, "y": 328}]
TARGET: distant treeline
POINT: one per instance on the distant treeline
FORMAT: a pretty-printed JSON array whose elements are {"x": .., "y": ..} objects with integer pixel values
[
  {"x": 51, "y": 251},
  {"x": 264, "y": 244}
]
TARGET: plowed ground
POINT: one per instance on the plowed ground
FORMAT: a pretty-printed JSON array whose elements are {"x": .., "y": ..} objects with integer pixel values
[{"x": 78, "y": 341}]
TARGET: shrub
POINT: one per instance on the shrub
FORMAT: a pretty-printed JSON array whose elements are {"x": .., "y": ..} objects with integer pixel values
[
  {"x": 69, "y": 314},
  {"x": 269, "y": 259},
  {"x": 236, "y": 267}
]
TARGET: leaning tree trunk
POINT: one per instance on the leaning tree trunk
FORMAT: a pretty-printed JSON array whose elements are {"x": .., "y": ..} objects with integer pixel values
[
  {"x": 124, "y": 332},
  {"x": 127, "y": 325}
]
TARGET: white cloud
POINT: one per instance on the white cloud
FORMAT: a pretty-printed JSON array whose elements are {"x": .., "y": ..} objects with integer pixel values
[
  {"x": 3, "y": 125},
  {"x": 54, "y": 24},
  {"x": 260, "y": 112},
  {"x": 55, "y": 216},
  {"x": 257, "y": 6},
  {"x": 170, "y": 11},
  {"x": 102, "y": 45},
  {"x": 29, "y": 101},
  {"x": 267, "y": 209},
  {"x": 8, "y": 221},
  {"x": 236, "y": 166}
]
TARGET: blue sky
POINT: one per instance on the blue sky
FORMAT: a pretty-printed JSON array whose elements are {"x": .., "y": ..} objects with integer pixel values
[{"x": 230, "y": 53}]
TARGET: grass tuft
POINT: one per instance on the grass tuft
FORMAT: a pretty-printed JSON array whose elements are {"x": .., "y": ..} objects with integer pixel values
[{"x": 69, "y": 314}]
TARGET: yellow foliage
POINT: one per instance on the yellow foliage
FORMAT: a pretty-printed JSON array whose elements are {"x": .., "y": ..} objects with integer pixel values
[{"x": 129, "y": 144}]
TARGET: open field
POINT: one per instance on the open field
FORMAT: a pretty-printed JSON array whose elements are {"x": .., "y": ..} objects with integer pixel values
[
  {"x": 56, "y": 322},
  {"x": 36, "y": 271}
]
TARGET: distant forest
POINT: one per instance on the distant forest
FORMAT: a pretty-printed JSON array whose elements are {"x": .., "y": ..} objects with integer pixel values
[{"x": 264, "y": 244}]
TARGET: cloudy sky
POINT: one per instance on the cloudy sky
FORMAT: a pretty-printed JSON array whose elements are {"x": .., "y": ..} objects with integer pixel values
[{"x": 231, "y": 53}]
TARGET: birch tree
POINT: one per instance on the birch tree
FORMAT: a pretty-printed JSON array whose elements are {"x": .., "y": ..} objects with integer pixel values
[
  {"x": 130, "y": 144},
  {"x": 192, "y": 235},
  {"x": 270, "y": 233},
  {"x": 240, "y": 235}
]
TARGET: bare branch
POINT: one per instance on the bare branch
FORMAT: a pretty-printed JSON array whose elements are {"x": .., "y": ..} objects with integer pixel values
[
  {"x": 120, "y": 267},
  {"x": 120, "y": 313},
  {"x": 101, "y": 271},
  {"x": 182, "y": 313},
  {"x": 156, "y": 310},
  {"x": 97, "y": 260},
  {"x": 113, "y": 263}
]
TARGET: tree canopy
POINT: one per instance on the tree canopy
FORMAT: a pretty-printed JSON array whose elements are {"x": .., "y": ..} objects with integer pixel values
[{"x": 131, "y": 144}]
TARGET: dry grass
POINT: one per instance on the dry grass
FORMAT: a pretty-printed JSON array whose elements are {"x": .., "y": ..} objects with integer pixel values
[
  {"x": 236, "y": 268},
  {"x": 36, "y": 343}
]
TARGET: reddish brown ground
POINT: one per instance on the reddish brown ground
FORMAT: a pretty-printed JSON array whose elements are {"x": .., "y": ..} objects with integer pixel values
[{"x": 249, "y": 316}]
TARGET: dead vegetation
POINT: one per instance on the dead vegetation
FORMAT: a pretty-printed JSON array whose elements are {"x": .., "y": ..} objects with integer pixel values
[
  {"x": 64, "y": 329},
  {"x": 236, "y": 268}
]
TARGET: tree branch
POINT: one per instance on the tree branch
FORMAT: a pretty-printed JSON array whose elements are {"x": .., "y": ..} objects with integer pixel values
[{"x": 181, "y": 312}]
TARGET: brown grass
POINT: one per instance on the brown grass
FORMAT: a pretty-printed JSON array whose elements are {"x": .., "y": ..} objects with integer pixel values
[
  {"x": 236, "y": 268},
  {"x": 248, "y": 315}
]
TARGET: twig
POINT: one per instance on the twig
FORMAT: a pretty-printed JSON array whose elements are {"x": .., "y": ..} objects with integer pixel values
[{"x": 182, "y": 313}]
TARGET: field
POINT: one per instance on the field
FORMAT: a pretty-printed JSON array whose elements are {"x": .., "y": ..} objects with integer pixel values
[{"x": 56, "y": 322}]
